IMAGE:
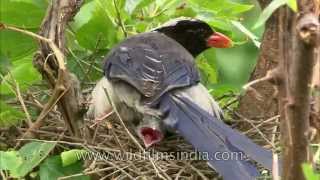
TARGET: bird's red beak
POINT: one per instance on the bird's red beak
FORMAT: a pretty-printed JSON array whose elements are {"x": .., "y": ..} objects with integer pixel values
[
  {"x": 150, "y": 136},
  {"x": 219, "y": 40}
]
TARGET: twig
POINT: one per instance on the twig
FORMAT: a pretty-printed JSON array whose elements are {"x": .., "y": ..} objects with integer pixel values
[
  {"x": 73, "y": 144},
  {"x": 80, "y": 65},
  {"x": 100, "y": 119},
  {"x": 58, "y": 93},
  {"x": 114, "y": 172},
  {"x": 59, "y": 55},
  {"x": 3, "y": 175},
  {"x": 16, "y": 90},
  {"x": 263, "y": 122},
  {"x": 91, "y": 57},
  {"x": 275, "y": 167},
  {"x": 127, "y": 130},
  {"x": 85, "y": 173},
  {"x": 120, "y": 22},
  {"x": 257, "y": 129},
  {"x": 121, "y": 120},
  {"x": 120, "y": 169},
  {"x": 59, "y": 88},
  {"x": 29, "y": 121},
  {"x": 197, "y": 171},
  {"x": 250, "y": 84},
  {"x": 179, "y": 173}
]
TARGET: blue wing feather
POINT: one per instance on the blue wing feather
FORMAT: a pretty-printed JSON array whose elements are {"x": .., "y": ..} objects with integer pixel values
[{"x": 207, "y": 134}]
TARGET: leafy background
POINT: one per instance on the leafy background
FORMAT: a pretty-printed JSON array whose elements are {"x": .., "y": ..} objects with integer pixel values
[
  {"x": 100, "y": 24},
  {"x": 97, "y": 27}
]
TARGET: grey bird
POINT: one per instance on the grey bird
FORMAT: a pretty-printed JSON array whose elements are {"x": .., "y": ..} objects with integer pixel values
[{"x": 154, "y": 83}]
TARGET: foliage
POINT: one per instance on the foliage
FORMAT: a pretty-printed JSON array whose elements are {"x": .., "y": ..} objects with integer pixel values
[
  {"x": 309, "y": 172},
  {"x": 52, "y": 168},
  {"x": 96, "y": 28},
  {"x": 274, "y": 5},
  {"x": 100, "y": 24},
  {"x": 21, "y": 162},
  {"x": 70, "y": 157}
]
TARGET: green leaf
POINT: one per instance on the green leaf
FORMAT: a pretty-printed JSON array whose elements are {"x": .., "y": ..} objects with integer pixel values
[
  {"x": 220, "y": 7},
  {"x": 94, "y": 29},
  {"x": 293, "y": 5},
  {"x": 15, "y": 45},
  {"x": 32, "y": 154},
  {"x": 207, "y": 65},
  {"x": 9, "y": 116},
  {"x": 221, "y": 89},
  {"x": 309, "y": 172},
  {"x": 185, "y": 12},
  {"x": 52, "y": 169},
  {"x": 70, "y": 157},
  {"x": 236, "y": 63},
  {"x": 23, "y": 73},
  {"x": 132, "y": 5},
  {"x": 22, "y": 13},
  {"x": 4, "y": 64},
  {"x": 220, "y": 24},
  {"x": 84, "y": 15},
  {"x": 267, "y": 12},
  {"x": 247, "y": 32},
  {"x": 9, "y": 160}
]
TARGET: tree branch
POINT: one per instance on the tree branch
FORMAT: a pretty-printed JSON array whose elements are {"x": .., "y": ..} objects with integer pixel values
[
  {"x": 51, "y": 64},
  {"x": 298, "y": 41}
]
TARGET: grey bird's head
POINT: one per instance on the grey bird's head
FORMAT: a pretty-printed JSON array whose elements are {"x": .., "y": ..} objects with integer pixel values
[
  {"x": 150, "y": 130},
  {"x": 194, "y": 35}
]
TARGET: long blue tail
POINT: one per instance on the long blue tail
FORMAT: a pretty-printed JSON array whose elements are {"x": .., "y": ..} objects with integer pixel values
[{"x": 226, "y": 147}]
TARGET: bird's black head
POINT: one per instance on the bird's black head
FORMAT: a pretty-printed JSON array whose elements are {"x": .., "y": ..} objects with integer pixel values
[{"x": 194, "y": 35}]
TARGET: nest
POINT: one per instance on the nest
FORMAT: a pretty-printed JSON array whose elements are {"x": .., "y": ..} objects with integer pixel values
[{"x": 112, "y": 154}]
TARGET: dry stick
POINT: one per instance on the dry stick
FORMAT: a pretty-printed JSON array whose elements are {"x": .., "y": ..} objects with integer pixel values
[
  {"x": 316, "y": 156},
  {"x": 52, "y": 134},
  {"x": 197, "y": 171},
  {"x": 274, "y": 131},
  {"x": 60, "y": 89},
  {"x": 16, "y": 91},
  {"x": 275, "y": 157},
  {"x": 121, "y": 121},
  {"x": 87, "y": 147},
  {"x": 269, "y": 76},
  {"x": 99, "y": 120},
  {"x": 129, "y": 133},
  {"x": 3, "y": 175},
  {"x": 114, "y": 172},
  {"x": 179, "y": 173},
  {"x": 250, "y": 84},
  {"x": 57, "y": 95},
  {"x": 275, "y": 167},
  {"x": 255, "y": 127},
  {"x": 262, "y": 123},
  {"x": 117, "y": 167},
  {"x": 29, "y": 121},
  {"x": 85, "y": 173},
  {"x": 59, "y": 55},
  {"x": 109, "y": 126}
]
